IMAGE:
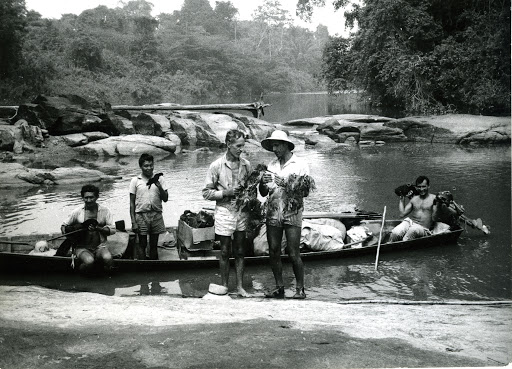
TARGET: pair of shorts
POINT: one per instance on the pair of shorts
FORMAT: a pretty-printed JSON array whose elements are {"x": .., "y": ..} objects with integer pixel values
[
  {"x": 290, "y": 219},
  {"x": 151, "y": 222},
  {"x": 229, "y": 221}
]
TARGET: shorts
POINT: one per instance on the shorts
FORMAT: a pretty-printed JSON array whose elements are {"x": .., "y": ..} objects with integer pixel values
[
  {"x": 290, "y": 219},
  {"x": 151, "y": 222},
  {"x": 228, "y": 221}
]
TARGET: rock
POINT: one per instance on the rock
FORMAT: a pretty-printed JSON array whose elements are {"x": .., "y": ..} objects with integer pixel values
[
  {"x": 9, "y": 175},
  {"x": 173, "y": 137},
  {"x": 258, "y": 128},
  {"x": 61, "y": 176},
  {"x": 129, "y": 145},
  {"x": 220, "y": 124},
  {"x": 95, "y": 136},
  {"x": 75, "y": 139},
  {"x": 31, "y": 134},
  {"x": 194, "y": 132},
  {"x": 379, "y": 131},
  {"x": 151, "y": 124},
  {"x": 123, "y": 125},
  {"x": 66, "y": 114},
  {"x": 8, "y": 136}
]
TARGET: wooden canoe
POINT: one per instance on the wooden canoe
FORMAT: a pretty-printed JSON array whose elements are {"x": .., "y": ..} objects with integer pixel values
[{"x": 14, "y": 257}]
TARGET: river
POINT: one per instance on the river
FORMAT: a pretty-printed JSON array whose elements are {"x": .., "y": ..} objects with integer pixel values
[{"x": 477, "y": 268}]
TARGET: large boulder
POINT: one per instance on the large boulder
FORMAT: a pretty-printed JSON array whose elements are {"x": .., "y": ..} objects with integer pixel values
[
  {"x": 67, "y": 114},
  {"x": 193, "y": 131},
  {"x": 128, "y": 146},
  {"x": 151, "y": 124},
  {"x": 20, "y": 136}
]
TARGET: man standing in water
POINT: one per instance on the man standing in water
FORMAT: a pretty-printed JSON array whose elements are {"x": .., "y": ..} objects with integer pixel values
[
  {"x": 280, "y": 219},
  {"x": 222, "y": 184},
  {"x": 420, "y": 210}
]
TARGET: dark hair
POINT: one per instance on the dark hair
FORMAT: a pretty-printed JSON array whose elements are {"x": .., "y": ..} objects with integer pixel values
[
  {"x": 233, "y": 135},
  {"x": 421, "y": 179},
  {"x": 90, "y": 188},
  {"x": 145, "y": 157}
]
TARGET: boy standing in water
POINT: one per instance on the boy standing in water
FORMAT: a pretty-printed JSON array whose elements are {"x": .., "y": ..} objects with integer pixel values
[{"x": 147, "y": 191}]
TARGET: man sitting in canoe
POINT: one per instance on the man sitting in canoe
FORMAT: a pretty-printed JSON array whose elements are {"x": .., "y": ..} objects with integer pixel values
[
  {"x": 96, "y": 223},
  {"x": 421, "y": 212}
]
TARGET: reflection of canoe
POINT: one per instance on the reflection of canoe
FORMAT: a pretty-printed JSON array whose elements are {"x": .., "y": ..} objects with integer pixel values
[{"x": 14, "y": 255}]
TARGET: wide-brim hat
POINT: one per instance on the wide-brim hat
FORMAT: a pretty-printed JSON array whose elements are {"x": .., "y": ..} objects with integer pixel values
[{"x": 277, "y": 135}]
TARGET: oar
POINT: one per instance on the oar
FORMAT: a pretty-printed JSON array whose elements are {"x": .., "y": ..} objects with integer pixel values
[
  {"x": 380, "y": 238},
  {"x": 50, "y": 239}
]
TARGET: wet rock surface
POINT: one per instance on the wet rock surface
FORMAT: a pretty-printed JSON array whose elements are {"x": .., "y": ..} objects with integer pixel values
[{"x": 61, "y": 330}]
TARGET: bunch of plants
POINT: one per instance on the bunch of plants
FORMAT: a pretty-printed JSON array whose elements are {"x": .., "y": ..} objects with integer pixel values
[{"x": 295, "y": 189}]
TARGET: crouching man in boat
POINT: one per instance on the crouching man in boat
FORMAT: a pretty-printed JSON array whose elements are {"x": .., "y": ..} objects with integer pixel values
[
  {"x": 421, "y": 213},
  {"x": 222, "y": 185},
  {"x": 279, "y": 218},
  {"x": 96, "y": 223}
]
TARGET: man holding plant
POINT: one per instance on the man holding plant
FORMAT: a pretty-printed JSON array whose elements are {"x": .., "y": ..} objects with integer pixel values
[{"x": 286, "y": 183}]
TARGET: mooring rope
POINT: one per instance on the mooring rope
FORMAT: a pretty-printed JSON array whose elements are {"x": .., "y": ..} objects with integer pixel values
[{"x": 405, "y": 302}]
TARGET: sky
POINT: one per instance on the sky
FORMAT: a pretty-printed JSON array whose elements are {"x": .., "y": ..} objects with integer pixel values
[{"x": 334, "y": 20}]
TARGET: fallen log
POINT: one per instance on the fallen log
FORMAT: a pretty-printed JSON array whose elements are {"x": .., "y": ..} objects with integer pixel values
[{"x": 255, "y": 108}]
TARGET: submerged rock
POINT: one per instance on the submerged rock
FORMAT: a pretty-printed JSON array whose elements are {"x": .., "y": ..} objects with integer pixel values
[{"x": 129, "y": 145}]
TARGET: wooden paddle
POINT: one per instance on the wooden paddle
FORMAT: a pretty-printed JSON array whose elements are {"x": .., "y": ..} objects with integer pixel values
[
  {"x": 380, "y": 238},
  {"x": 50, "y": 239}
]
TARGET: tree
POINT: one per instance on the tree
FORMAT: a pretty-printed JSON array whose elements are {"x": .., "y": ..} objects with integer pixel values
[
  {"x": 12, "y": 30},
  {"x": 426, "y": 56},
  {"x": 272, "y": 18}
]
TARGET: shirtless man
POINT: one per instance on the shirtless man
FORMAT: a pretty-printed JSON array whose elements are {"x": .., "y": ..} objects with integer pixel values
[{"x": 420, "y": 210}]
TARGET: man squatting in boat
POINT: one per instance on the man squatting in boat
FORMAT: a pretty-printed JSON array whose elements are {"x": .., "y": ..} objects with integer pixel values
[
  {"x": 222, "y": 185},
  {"x": 423, "y": 212},
  {"x": 280, "y": 219},
  {"x": 97, "y": 223}
]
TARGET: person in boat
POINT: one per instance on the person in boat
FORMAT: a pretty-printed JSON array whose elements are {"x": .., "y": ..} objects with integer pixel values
[
  {"x": 147, "y": 191},
  {"x": 96, "y": 223},
  {"x": 280, "y": 220},
  {"x": 421, "y": 213},
  {"x": 222, "y": 185}
]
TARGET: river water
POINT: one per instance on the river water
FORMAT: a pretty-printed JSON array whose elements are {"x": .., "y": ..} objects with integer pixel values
[{"x": 477, "y": 268}]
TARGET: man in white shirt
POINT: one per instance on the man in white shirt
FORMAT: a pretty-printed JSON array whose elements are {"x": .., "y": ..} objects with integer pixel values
[{"x": 280, "y": 218}]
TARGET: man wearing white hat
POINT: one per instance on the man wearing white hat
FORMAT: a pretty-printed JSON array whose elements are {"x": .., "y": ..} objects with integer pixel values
[{"x": 280, "y": 219}]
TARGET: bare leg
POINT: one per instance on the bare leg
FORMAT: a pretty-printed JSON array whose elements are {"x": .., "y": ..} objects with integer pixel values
[
  {"x": 86, "y": 259},
  {"x": 153, "y": 246},
  {"x": 105, "y": 257},
  {"x": 274, "y": 238},
  {"x": 293, "y": 241},
  {"x": 225, "y": 246},
  {"x": 143, "y": 245},
  {"x": 239, "y": 251}
]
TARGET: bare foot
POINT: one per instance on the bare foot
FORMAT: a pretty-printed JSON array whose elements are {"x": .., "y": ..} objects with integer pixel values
[{"x": 242, "y": 293}]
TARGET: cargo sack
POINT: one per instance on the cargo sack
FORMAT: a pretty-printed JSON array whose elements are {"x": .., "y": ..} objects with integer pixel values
[{"x": 321, "y": 237}]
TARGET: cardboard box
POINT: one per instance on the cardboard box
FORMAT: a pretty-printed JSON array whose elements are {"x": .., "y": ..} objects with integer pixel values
[{"x": 196, "y": 238}]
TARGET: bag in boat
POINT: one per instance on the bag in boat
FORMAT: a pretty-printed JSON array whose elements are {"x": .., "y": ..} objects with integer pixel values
[
  {"x": 261, "y": 243},
  {"x": 358, "y": 233},
  {"x": 322, "y": 237}
]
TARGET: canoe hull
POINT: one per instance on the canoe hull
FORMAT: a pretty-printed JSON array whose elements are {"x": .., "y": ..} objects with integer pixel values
[{"x": 12, "y": 262}]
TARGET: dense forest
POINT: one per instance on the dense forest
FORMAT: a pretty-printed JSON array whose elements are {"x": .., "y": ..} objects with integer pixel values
[
  {"x": 425, "y": 56},
  {"x": 125, "y": 55},
  {"x": 420, "y": 56}
]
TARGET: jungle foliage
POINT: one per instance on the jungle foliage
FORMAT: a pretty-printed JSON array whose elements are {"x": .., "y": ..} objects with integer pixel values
[
  {"x": 424, "y": 56},
  {"x": 126, "y": 56}
]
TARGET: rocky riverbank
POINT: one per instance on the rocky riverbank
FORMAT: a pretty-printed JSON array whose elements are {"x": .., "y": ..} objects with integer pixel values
[
  {"x": 44, "y": 328},
  {"x": 55, "y": 131}
]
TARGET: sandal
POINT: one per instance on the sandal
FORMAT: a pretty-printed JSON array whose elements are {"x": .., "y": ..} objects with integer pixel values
[
  {"x": 277, "y": 293},
  {"x": 300, "y": 294}
]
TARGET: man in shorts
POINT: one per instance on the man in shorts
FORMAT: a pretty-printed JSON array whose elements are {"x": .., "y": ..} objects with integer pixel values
[
  {"x": 91, "y": 224},
  {"x": 279, "y": 219},
  {"x": 222, "y": 184},
  {"x": 420, "y": 212},
  {"x": 147, "y": 191}
]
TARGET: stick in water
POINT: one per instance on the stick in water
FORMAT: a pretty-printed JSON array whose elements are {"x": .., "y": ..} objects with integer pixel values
[{"x": 380, "y": 238}]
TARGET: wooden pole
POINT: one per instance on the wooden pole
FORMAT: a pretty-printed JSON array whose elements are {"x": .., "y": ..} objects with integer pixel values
[{"x": 380, "y": 238}]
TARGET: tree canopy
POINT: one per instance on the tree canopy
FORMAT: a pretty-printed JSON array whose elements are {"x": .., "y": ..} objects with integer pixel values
[
  {"x": 424, "y": 56},
  {"x": 196, "y": 54}
]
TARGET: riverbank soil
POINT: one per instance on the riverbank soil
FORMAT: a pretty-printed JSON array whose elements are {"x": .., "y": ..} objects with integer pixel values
[{"x": 42, "y": 328}]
